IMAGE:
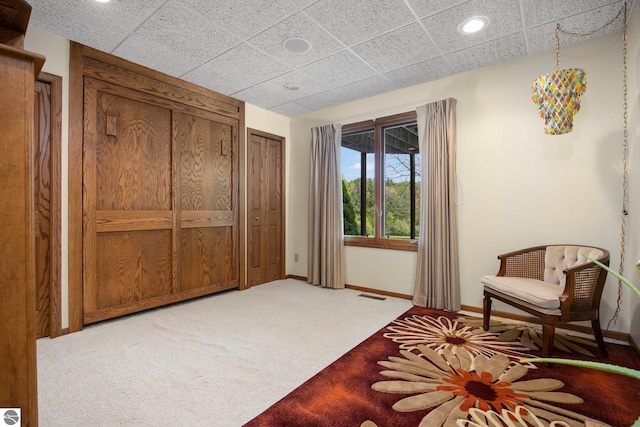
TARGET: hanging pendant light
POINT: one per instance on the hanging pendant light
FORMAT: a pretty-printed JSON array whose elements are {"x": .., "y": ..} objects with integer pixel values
[{"x": 557, "y": 95}]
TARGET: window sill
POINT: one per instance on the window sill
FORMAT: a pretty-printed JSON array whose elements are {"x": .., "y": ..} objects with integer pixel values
[{"x": 372, "y": 242}]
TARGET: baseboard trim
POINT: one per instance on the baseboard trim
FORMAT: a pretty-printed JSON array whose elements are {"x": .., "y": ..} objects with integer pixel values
[
  {"x": 620, "y": 336},
  {"x": 378, "y": 292},
  {"x": 634, "y": 346},
  {"x": 361, "y": 289}
]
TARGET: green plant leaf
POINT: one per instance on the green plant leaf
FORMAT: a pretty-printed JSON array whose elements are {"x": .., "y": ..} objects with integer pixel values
[
  {"x": 591, "y": 365},
  {"x": 621, "y": 278}
]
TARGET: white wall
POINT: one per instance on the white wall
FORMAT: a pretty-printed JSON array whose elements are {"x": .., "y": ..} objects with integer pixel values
[
  {"x": 633, "y": 228},
  {"x": 517, "y": 186}
]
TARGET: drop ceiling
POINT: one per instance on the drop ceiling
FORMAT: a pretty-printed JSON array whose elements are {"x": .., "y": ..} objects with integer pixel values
[{"x": 359, "y": 48}]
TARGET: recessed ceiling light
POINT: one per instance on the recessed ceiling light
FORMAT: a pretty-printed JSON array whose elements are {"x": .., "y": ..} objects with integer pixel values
[
  {"x": 292, "y": 86},
  {"x": 103, "y": 1},
  {"x": 473, "y": 24},
  {"x": 297, "y": 45}
]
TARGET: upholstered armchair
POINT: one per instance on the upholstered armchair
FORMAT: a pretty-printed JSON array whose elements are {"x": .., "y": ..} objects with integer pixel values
[{"x": 556, "y": 283}]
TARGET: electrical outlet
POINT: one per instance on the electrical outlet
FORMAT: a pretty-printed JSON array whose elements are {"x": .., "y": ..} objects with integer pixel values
[{"x": 295, "y": 257}]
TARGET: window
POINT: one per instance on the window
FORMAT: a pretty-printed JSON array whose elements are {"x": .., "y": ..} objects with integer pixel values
[{"x": 381, "y": 182}]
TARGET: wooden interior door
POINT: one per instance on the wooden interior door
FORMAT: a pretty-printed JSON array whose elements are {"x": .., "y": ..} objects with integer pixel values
[
  {"x": 42, "y": 225},
  {"x": 265, "y": 207},
  {"x": 206, "y": 199},
  {"x": 47, "y": 201},
  {"x": 127, "y": 202}
]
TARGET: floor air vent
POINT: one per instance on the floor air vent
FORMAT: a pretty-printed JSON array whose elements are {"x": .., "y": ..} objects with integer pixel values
[{"x": 373, "y": 297}]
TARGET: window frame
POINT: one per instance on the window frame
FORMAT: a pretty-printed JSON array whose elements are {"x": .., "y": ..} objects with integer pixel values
[{"x": 378, "y": 241}]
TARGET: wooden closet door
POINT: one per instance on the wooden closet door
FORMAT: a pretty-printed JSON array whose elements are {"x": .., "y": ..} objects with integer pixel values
[
  {"x": 206, "y": 197},
  {"x": 265, "y": 202},
  {"x": 127, "y": 202}
]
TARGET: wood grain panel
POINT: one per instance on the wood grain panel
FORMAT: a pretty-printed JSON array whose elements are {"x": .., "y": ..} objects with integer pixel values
[
  {"x": 42, "y": 193},
  {"x": 127, "y": 74},
  {"x": 205, "y": 167},
  {"x": 206, "y": 188},
  {"x": 194, "y": 219},
  {"x": 48, "y": 130},
  {"x": 110, "y": 88},
  {"x": 18, "y": 375},
  {"x": 255, "y": 254},
  {"x": 132, "y": 266},
  {"x": 108, "y": 221},
  {"x": 208, "y": 257},
  {"x": 133, "y": 170}
]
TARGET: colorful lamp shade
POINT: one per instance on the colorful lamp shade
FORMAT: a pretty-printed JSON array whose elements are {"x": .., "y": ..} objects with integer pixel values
[{"x": 557, "y": 96}]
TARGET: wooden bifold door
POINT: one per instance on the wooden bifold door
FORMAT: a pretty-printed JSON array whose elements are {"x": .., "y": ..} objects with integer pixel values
[{"x": 160, "y": 201}]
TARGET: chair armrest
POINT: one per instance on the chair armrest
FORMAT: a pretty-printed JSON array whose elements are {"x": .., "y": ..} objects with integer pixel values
[{"x": 528, "y": 263}]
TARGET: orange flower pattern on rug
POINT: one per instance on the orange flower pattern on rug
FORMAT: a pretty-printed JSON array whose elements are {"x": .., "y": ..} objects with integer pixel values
[{"x": 452, "y": 382}]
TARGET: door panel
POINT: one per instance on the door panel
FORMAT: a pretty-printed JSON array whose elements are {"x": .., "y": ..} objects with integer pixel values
[
  {"x": 42, "y": 212},
  {"x": 206, "y": 192},
  {"x": 127, "y": 203},
  {"x": 134, "y": 266},
  {"x": 266, "y": 206}
]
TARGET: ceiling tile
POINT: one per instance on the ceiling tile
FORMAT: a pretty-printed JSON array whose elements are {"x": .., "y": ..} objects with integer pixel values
[
  {"x": 363, "y": 89},
  {"x": 156, "y": 56},
  {"x": 358, "y": 90},
  {"x": 290, "y": 109},
  {"x": 179, "y": 30},
  {"x": 537, "y": 12},
  {"x": 338, "y": 70},
  {"x": 208, "y": 77},
  {"x": 424, "y": 8},
  {"x": 319, "y": 101},
  {"x": 396, "y": 49},
  {"x": 247, "y": 64},
  {"x": 260, "y": 97},
  {"x": 432, "y": 69},
  {"x": 99, "y": 25},
  {"x": 354, "y": 21},
  {"x": 504, "y": 19},
  {"x": 245, "y": 18},
  {"x": 299, "y": 25},
  {"x": 492, "y": 52},
  {"x": 543, "y": 38},
  {"x": 308, "y": 86}
]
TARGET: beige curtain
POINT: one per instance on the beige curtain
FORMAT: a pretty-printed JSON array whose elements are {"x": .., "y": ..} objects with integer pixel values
[
  {"x": 438, "y": 276},
  {"x": 326, "y": 260}
]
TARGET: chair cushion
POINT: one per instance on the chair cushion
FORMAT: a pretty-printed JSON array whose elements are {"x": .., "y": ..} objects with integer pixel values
[
  {"x": 559, "y": 258},
  {"x": 542, "y": 295}
]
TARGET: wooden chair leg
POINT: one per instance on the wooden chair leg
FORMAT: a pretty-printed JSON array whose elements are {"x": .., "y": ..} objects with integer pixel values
[
  {"x": 548, "y": 335},
  {"x": 597, "y": 332},
  {"x": 486, "y": 312}
]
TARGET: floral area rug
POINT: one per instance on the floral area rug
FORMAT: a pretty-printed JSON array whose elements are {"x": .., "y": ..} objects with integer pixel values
[{"x": 427, "y": 368}]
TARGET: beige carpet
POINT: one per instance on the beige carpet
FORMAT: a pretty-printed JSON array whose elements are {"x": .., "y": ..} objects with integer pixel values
[{"x": 216, "y": 361}]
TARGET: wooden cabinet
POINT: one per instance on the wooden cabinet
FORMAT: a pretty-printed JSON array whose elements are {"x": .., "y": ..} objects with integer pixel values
[
  {"x": 18, "y": 69},
  {"x": 160, "y": 187}
]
